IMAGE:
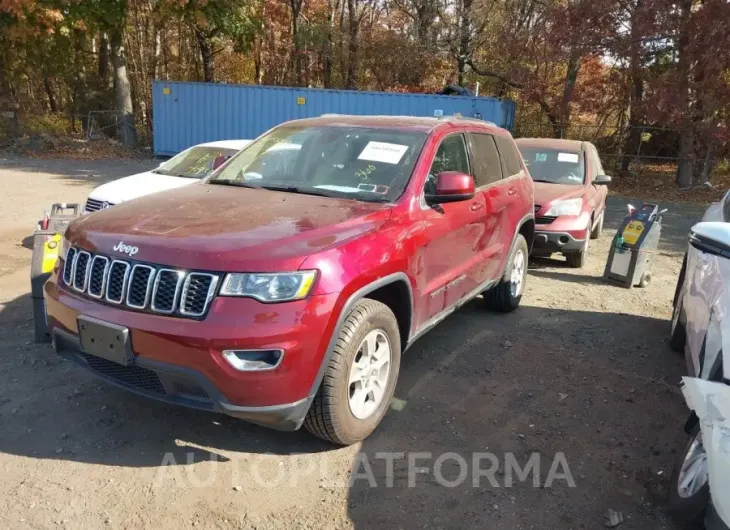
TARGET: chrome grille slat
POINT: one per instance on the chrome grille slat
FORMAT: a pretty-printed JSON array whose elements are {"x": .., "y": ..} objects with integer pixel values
[
  {"x": 197, "y": 292},
  {"x": 167, "y": 280},
  {"x": 139, "y": 286},
  {"x": 68, "y": 265},
  {"x": 81, "y": 275},
  {"x": 117, "y": 281},
  {"x": 97, "y": 276}
]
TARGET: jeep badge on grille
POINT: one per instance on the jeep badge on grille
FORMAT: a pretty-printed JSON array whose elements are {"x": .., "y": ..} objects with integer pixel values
[{"x": 126, "y": 249}]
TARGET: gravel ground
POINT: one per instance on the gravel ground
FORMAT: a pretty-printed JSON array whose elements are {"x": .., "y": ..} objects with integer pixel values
[{"x": 581, "y": 370}]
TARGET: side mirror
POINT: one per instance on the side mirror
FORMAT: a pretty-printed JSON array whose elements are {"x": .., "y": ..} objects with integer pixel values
[
  {"x": 452, "y": 186},
  {"x": 602, "y": 180},
  {"x": 712, "y": 238}
]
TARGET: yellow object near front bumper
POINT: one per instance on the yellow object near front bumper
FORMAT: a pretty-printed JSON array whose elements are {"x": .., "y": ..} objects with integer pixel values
[{"x": 51, "y": 249}]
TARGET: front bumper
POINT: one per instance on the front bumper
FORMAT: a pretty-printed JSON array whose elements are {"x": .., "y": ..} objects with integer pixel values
[
  {"x": 177, "y": 385},
  {"x": 565, "y": 233},
  {"x": 549, "y": 242},
  {"x": 178, "y": 360}
]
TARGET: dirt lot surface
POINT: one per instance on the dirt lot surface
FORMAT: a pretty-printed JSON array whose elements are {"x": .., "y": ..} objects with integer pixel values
[{"x": 582, "y": 369}]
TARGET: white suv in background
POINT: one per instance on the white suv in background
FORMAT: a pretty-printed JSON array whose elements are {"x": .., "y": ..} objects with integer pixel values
[{"x": 185, "y": 168}]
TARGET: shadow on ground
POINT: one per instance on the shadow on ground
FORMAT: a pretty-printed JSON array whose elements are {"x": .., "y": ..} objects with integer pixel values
[
  {"x": 598, "y": 387},
  {"x": 80, "y": 171}
]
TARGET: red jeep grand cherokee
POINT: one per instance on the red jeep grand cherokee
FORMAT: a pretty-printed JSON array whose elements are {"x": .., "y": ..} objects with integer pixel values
[
  {"x": 283, "y": 290},
  {"x": 570, "y": 195}
]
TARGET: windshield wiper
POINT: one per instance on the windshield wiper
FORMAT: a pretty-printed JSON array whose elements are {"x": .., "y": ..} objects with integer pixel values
[
  {"x": 372, "y": 197},
  {"x": 296, "y": 189},
  {"x": 236, "y": 183}
]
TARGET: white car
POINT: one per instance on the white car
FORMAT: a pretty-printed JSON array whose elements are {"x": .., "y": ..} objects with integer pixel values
[
  {"x": 185, "y": 168},
  {"x": 700, "y": 485}
]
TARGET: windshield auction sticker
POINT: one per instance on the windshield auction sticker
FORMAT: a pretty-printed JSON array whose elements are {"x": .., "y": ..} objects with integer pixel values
[
  {"x": 383, "y": 152},
  {"x": 568, "y": 157}
]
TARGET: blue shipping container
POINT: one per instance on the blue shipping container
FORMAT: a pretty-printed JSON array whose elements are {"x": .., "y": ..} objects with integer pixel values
[{"x": 186, "y": 114}]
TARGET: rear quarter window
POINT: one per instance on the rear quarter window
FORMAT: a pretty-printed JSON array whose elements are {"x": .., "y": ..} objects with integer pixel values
[{"x": 509, "y": 155}]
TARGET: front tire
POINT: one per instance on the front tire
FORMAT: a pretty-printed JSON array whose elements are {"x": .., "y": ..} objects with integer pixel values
[
  {"x": 689, "y": 488},
  {"x": 506, "y": 295},
  {"x": 598, "y": 230},
  {"x": 678, "y": 338},
  {"x": 577, "y": 260},
  {"x": 360, "y": 379}
]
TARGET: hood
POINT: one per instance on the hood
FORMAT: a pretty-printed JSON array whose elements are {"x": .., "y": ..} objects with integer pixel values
[
  {"x": 128, "y": 188},
  {"x": 223, "y": 228},
  {"x": 546, "y": 193}
]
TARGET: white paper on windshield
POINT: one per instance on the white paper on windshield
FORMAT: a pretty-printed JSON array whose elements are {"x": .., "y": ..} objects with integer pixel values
[
  {"x": 383, "y": 152},
  {"x": 568, "y": 157}
]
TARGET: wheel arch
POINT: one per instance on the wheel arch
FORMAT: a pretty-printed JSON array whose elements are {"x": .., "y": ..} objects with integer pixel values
[
  {"x": 527, "y": 230},
  {"x": 395, "y": 291}
]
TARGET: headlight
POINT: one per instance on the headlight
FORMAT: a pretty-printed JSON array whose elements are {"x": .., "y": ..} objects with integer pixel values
[
  {"x": 565, "y": 207},
  {"x": 270, "y": 287}
]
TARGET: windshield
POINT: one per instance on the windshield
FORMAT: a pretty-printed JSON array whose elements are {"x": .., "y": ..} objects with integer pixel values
[
  {"x": 196, "y": 162},
  {"x": 554, "y": 165},
  {"x": 350, "y": 162}
]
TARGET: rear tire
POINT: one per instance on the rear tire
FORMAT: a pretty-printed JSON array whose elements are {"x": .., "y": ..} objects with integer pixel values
[
  {"x": 506, "y": 295},
  {"x": 332, "y": 415},
  {"x": 687, "y": 508}
]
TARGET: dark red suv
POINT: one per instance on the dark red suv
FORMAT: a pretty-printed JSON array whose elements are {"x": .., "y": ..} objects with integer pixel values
[
  {"x": 570, "y": 195},
  {"x": 285, "y": 295}
]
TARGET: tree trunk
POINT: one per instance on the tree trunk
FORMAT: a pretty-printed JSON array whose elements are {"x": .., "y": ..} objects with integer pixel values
[
  {"x": 296, "y": 8},
  {"x": 81, "y": 91},
  {"x": 343, "y": 54},
  {"x": 352, "y": 45},
  {"x": 128, "y": 131},
  {"x": 49, "y": 92},
  {"x": 686, "y": 136},
  {"x": 4, "y": 76},
  {"x": 464, "y": 39},
  {"x": 329, "y": 44},
  {"x": 103, "y": 67},
  {"x": 206, "y": 54},
  {"x": 571, "y": 77}
]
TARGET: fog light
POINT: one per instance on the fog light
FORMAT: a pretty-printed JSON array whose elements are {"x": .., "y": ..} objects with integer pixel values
[{"x": 253, "y": 360}]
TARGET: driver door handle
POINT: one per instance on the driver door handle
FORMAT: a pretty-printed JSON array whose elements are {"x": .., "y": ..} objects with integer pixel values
[
  {"x": 476, "y": 206},
  {"x": 512, "y": 191}
]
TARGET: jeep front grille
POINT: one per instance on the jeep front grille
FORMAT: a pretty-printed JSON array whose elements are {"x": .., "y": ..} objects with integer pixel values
[{"x": 139, "y": 286}]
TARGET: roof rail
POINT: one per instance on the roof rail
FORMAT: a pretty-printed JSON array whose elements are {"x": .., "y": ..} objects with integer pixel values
[{"x": 468, "y": 118}]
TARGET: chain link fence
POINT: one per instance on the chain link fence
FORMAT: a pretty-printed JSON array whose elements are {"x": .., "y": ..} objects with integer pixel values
[{"x": 628, "y": 150}]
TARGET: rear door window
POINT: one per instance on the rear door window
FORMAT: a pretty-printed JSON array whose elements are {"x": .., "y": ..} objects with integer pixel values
[
  {"x": 509, "y": 154},
  {"x": 487, "y": 163}
]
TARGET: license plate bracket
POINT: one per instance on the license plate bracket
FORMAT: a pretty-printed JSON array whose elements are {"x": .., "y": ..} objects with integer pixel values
[{"x": 106, "y": 340}]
